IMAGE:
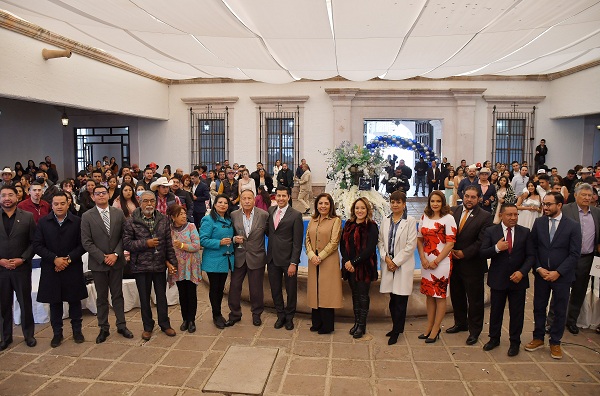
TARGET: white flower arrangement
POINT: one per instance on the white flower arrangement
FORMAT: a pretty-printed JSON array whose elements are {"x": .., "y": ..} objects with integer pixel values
[{"x": 344, "y": 198}]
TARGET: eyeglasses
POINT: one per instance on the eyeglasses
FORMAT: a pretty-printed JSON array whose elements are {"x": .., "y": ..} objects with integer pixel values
[
  {"x": 146, "y": 201},
  {"x": 100, "y": 193},
  {"x": 548, "y": 204}
]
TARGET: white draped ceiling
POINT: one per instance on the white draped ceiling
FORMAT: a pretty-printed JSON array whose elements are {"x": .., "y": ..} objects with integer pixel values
[{"x": 279, "y": 41}]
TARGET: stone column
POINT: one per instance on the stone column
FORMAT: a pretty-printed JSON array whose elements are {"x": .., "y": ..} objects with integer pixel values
[
  {"x": 342, "y": 113},
  {"x": 463, "y": 140}
]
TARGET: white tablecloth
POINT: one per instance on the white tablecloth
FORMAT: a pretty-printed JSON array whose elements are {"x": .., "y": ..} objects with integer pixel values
[{"x": 589, "y": 317}]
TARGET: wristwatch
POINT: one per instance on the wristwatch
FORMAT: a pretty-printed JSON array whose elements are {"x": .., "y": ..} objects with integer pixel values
[
  {"x": 116, "y": 254},
  {"x": 69, "y": 259}
]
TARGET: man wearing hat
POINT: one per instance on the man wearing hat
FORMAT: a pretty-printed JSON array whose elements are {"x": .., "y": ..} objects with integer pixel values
[
  {"x": 164, "y": 197},
  {"x": 7, "y": 176},
  {"x": 488, "y": 191}
]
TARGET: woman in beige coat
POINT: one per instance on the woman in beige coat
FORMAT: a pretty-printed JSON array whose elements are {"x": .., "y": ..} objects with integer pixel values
[
  {"x": 324, "y": 275},
  {"x": 397, "y": 243}
]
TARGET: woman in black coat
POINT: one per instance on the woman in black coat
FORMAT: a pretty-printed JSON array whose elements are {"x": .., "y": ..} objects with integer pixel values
[{"x": 58, "y": 242}]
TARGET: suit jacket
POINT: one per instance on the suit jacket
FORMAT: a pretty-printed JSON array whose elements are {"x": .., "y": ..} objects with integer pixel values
[
  {"x": 563, "y": 253},
  {"x": 469, "y": 239},
  {"x": 399, "y": 282},
  {"x": 572, "y": 211},
  {"x": 202, "y": 194},
  {"x": 252, "y": 251},
  {"x": 285, "y": 242},
  {"x": 503, "y": 264},
  {"x": 433, "y": 174},
  {"x": 19, "y": 243},
  {"x": 96, "y": 240}
]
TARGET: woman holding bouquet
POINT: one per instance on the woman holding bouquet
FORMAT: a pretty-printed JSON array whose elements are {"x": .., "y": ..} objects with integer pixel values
[{"x": 435, "y": 239}]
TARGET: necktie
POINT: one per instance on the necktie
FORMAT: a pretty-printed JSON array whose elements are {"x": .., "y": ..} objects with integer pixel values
[
  {"x": 552, "y": 229},
  {"x": 106, "y": 220},
  {"x": 463, "y": 220},
  {"x": 277, "y": 218},
  {"x": 509, "y": 239}
]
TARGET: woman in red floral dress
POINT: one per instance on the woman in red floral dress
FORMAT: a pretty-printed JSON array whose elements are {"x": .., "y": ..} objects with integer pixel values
[{"x": 436, "y": 237}]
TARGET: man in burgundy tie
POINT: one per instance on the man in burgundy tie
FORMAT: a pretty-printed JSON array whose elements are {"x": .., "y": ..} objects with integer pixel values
[{"x": 507, "y": 244}]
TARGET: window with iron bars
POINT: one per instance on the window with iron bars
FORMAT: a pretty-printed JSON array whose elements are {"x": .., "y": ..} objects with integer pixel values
[
  {"x": 209, "y": 138},
  {"x": 279, "y": 138}
]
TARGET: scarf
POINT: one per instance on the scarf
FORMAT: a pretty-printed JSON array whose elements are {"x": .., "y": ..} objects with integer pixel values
[{"x": 366, "y": 269}]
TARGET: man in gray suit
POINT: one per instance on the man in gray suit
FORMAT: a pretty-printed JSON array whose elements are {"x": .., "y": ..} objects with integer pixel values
[
  {"x": 588, "y": 218},
  {"x": 250, "y": 227},
  {"x": 286, "y": 232},
  {"x": 101, "y": 232},
  {"x": 17, "y": 229}
]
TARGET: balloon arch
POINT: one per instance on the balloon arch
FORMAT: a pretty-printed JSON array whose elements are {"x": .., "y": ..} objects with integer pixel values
[{"x": 409, "y": 144}]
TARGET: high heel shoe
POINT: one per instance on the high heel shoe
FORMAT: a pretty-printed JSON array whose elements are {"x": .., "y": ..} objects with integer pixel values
[
  {"x": 423, "y": 336},
  {"x": 434, "y": 339}
]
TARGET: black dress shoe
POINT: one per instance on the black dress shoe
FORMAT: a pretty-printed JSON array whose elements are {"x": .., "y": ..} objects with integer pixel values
[
  {"x": 125, "y": 332},
  {"x": 573, "y": 329},
  {"x": 289, "y": 325},
  {"x": 256, "y": 321},
  {"x": 56, "y": 340},
  {"x": 4, "y": 344},
  {"x": 456, "y": 329},
  {"x": 434, "y": 339},
  {"x": 31, "y": 342},
  {"x": 184, "y": 326},
  {"x": 491, "y": 344},
  {"x": 393, "y": 338},
  {"x": 231, "y": 322},
  {"x": 102, "y": 336},
  {"x": 78, "y": 337},
  {"x": 219, "y": 322},
  {"x": 314, "y": 328},
  {"x": 513, "y": 350},
  {"x": 279, "y": 323},
  {"x": 192, "y": 327},
  {"x": 322, "y": 331},
  {"x": 423, "y": 336},
  {"x": 471, "y": 340}
]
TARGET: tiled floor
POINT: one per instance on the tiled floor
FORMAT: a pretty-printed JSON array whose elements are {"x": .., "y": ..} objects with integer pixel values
[{"x": 307, "y": 363}]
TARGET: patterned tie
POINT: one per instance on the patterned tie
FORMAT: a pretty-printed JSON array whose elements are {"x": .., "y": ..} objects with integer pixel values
[
  {"x": 106, "y": 220},
  {"x": 552, "y": 229},
  {"x": 463, "y": 220},
  {"x": 277, "y": 218},
  {"x": 509, "y": 239}
]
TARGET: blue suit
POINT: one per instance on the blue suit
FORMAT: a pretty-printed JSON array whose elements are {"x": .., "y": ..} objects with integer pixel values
[{"x": 562, "y": 255}]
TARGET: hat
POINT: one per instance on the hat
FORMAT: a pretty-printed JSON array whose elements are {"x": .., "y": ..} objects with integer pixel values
[
  {"x": 161, "y": 181},
  {"x": 472, "y": 167},
  {"x": 484, "y": 170},
  {"x": 152, "y": 165},
  {"x": 584, "y": 170},
  {"x": 541, "y": 171},
  {"x": 217, "y": 163},
  {"x": 8, "y": 170}
]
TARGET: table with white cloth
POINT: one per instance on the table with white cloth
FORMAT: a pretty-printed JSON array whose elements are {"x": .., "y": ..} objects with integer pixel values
[{"x": 589, "y": 317}]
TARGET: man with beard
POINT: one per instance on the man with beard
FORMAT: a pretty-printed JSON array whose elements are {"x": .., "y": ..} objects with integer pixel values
[
  {"x": 147, "y": 236},
  {"x": 17, "y": 229},
  {"x": 34, "y": 203}
]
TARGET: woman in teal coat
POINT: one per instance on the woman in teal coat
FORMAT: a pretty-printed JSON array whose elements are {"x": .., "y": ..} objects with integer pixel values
[{"x": 216, "y": 233}]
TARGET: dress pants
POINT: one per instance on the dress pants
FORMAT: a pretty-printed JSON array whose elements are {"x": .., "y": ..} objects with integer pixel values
[
  {"x": 323, "y": 319},
  {"x": 420, "y": 180},
  {"x": 215, "y": 292},
  {"x": 56, "y": 317},
  {"x": 397, "y": 307},
  {"x": 467, "y": 293},
  {"x": 303, "y": 197},
  {"x": 144, "y": 282},
  {"x": 277, "y": 276},
  {"x": 541, "y": 296},
  {"x": 579, "y": 288},
  {"x": 104, "y": 281},
  {"x": 188, "y": 299},
  {"x": 18, "y": 282},
  {"x": 255, "y": 286},
  {"x": 516, "y": 310}
]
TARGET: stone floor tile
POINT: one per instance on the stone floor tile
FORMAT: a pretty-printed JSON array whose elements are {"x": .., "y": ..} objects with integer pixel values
[
  {"x": 394, "y": 370},
  {"x": 182, "y": 358},
  {"x": 581, "y": 389},
  {"x": 143, "y": 354},
  {"x": 154, "y": 391},
  {"x": 523, "y": 371},
  {"x": 108, "y": 389},
  {"x": 4, "y": 375},
  {"x": 21, "y": 384},
  {"x": 212, "y": 359},
  {"x": 566, "y": 372},
  {"x": 274, "y": 382},
  {"x": 169, "y": 376},
  {"x": 349, "y": 387},
  {"x": 225, "y": 342},
  {"x": 48, "y": 365},
  {"x": 86, "y": 368},
  {"x": 313, "y": 336},
  {"x": 10, "y": 361},
  {"x": 480, "y": 371},
  {"x": 430, "y": 353},
  {"x": 534, "y": 388},
  {"x": 69, "y": 348},
  {"x": 42, "y": 346},
  {"x": 240, "y": 331},
  {"x": 500, "y": 355},
  {"x": 594, "y": 369},
  {"x": 582, "y": 355},
  {"x": 343, "y": 351},
  {"x": 271, "y": 343},
  {"x": 198, "y": 378},
  {"x": 64, "y": 387},
  {"x": 397, "y": 387},
  {"x": 458, "y": 340},
  {"x": 206, "y": 327},
  {"x": 454, "y": 388},
  {"x": 469, "y": 354},
  {"x": 126, "y": 372},
  {"x": 161, "y": 340},
  {"x": 351, "y": 368},
  {"x": 194, "y": 392},
  {"x": 190, "y": 343},
  {"x": 269, "y": 332},
  {"x": 341, "y": 334},
  {"x": 311, "y": 349},
  {"x": 543, "y": 356},
  {"x": 429, "y": 371},
  {"x": 490, "y": 388},
  {"x": 303, "y": 385},
  {"x": 310, "y": 366},
  {"x": 107, "y": 351}
]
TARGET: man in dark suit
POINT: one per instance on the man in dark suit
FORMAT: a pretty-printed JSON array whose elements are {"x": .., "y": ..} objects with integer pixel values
[
  {"x": 201, "y": 195},
  {"x": 556, "y": 240},
  {"x": 468, "y": 271},
  {"x": 58, "y": 242},
  {"x": 101, "y": 236},
  {"x": 250, "y": 227},
  {"x": 507, "y": 244},
  {"x": 433, "y": 177},
  {"x": 17, "y": 229},
  {"x": 286, "y": 231}
]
